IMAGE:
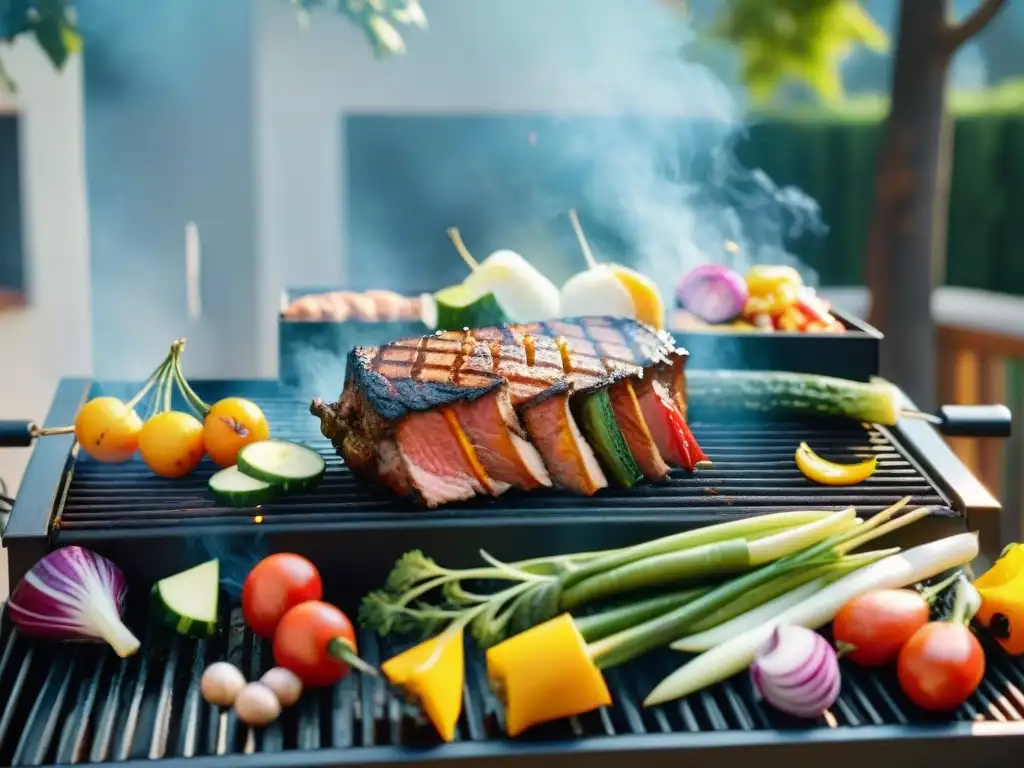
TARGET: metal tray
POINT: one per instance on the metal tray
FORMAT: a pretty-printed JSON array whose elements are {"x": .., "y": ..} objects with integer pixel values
[
  {"x": 309, "y": 352},
  {"x": 306, "y": 350},
  {"x": 851, "y": 355}
]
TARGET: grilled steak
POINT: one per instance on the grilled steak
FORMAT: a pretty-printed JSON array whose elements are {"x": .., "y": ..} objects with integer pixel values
[{"x": 455, "y": 414}]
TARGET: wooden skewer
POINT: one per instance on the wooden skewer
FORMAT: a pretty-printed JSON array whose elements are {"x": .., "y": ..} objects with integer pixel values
[
  {"x": 584, "y": 245},
  {"x": 456, "y": 238},
  {"x": 193, "y": 254},
  {"x": 919, "y": 416}
]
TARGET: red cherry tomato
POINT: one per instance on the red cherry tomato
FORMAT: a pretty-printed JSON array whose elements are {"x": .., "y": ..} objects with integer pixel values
[
  {"x": 312, "y": 640},
  {"x": 941, "y": 666},
  {"x": 877, "y": 624},
  {"x": 274, "y": 586}
]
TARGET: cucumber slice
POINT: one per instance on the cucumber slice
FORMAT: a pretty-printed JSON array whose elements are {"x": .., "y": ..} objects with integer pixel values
[
  {"x": 289, "y": 466},
  {"x": 234, "y": 489},
  {"x": 605, "y": 437},
  {"x": 459, "y": 306},
  {"x": 188, "y": 600}
]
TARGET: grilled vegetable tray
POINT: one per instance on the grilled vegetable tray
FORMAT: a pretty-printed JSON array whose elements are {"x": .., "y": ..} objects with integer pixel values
[{"x": 850, "y": 355}]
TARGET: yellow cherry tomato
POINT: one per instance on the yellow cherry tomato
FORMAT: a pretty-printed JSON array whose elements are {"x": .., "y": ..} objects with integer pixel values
[
  {"x": 108, "y": 430},
  {"x": 232, "y": 424},
  {"x": 171, "y": 443}
]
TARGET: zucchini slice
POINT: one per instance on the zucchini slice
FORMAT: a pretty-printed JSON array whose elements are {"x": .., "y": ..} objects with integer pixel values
[
  {"x": 234, "y": 489},
  {"x": 290, "y": 466},
  {"x": 188, "y": 600},
  {"x": 607, "y": 440}
]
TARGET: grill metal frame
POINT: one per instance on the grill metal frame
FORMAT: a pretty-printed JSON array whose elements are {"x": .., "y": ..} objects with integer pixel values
[{"x": 721, "y": 726}]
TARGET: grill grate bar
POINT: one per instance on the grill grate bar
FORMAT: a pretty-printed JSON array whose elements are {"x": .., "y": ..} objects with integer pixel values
[
  {"x": 73, "y": 737},
  {"x": 35, "y": 740},
  {"x": 753, "y": 473},
  {"x": 188, "y": 735}
]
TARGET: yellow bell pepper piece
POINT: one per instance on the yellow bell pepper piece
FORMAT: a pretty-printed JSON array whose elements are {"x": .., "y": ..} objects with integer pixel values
[
  {"x": 647, "y": 305},
  {"x": 829, "y": 473},
  {"x": 763, "y": 280},
  {"x": 1002, "y": 599},
  {"x": 772, "y": 302},
  {"x": 433, "y": 673},
  {"x": 545, "y": 674}
]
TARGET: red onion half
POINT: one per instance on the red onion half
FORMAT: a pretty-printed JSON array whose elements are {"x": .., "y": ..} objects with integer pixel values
[
  {"x": 797, "y": 672},
  {"x": 714, "y": 294},
  {"x": 73, "y": 594}
]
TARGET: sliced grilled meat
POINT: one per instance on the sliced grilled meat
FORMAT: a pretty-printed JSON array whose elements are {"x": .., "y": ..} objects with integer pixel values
[
  {"x": 485, "y": 377},
  {"x": 567, "y": 454},
  {"x": 500, "y": 442},
  {"x": 633, "y": 426}
]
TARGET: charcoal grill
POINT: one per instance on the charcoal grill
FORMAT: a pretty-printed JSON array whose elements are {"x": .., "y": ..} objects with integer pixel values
[{"x": 81, "y": 705}]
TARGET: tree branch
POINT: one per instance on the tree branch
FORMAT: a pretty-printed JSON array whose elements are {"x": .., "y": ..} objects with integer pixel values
[{"x": 959, "y": 34}]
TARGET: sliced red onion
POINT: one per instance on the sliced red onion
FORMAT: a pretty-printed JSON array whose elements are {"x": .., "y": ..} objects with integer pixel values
[
  {"x": 73, "y": 594},
  {"x": 714, "y": 294},
  {"x": 797, "y": 672}
]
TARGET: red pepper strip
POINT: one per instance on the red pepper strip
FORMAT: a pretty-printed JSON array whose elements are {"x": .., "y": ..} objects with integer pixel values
[
  {"x": 814, "y": 311},
  {"x": 694, "y": 451},
  {"x": 673, "y": 418},
  {"x": 685, "y": 444}
]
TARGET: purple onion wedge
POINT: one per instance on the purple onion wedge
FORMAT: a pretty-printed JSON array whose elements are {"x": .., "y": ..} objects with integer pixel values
[
  {"x": 713, "y": 293},
  {"x": 73, "y": 594}
]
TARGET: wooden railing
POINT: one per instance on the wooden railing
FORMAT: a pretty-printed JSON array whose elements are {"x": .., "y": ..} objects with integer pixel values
[{"x": 983, "y": 366}]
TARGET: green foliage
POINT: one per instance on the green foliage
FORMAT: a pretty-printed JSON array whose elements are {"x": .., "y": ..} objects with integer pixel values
[
  {"x": 51, "y": 22},
  {"x": 806, "y": 40},
  {"x": 377, "y": 19},
  {"x": 830, "y": 155}
]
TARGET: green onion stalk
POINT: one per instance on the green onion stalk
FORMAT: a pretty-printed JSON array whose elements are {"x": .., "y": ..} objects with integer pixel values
[
  {"x": 662, "y": 630},
  {"x": 650, "y": 580}
]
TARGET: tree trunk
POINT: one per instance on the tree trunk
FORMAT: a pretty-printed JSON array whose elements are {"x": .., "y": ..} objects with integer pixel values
[{"x": 907, "y": 234}]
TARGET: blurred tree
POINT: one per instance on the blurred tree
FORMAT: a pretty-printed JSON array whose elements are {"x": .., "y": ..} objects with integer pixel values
[
  {"x": 805, "y": 40},
  {"x": 906, "y": 249},
  {"x": 1002, "y": 46}
]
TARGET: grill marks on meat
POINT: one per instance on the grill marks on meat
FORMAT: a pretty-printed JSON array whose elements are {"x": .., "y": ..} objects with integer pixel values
[{"x": 442, "y": 417}]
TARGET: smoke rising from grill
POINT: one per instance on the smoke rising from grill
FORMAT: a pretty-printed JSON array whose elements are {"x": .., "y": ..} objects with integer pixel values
[
  {"x": 637, "y": 136},
  {"x": 667, "y": 184},
  {"x": 237, "y": 557}
]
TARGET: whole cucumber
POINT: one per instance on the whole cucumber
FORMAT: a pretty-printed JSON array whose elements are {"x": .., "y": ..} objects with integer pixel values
[{"x": 780, "y": 392}]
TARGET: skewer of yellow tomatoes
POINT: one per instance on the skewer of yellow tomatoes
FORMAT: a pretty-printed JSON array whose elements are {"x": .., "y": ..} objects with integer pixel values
[{"x": 171, "y": 442}]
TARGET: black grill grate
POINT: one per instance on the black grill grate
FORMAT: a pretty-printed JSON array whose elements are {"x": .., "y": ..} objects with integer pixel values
[
  {"x": 753, "y": 472},
  {"x": 82, "y": 705}
]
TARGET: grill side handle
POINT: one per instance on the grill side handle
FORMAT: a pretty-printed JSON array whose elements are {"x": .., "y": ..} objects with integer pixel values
[
  {"x": 975, "y": 421},
  {"x": 16, "y": 434}
]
